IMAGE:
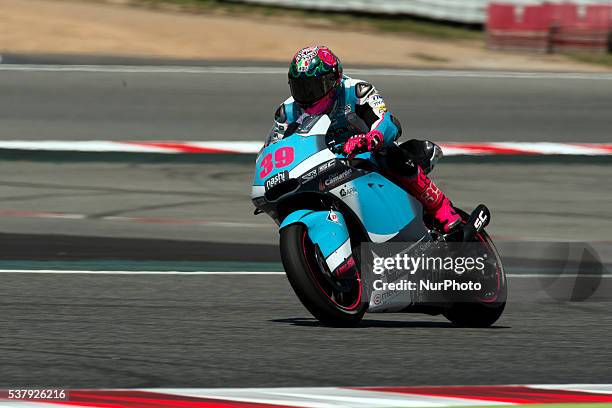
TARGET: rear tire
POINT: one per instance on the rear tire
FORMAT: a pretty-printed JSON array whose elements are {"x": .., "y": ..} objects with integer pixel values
[
  {"x": 474, "y": 314},
  {"x": 479, "y": 312},
  {"x": 299, "y": 261}
]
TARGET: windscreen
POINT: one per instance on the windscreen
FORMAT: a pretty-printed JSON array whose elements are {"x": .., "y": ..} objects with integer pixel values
[{"x": 306, "y": 126}]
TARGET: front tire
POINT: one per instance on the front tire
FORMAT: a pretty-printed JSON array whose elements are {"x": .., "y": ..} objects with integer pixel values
[{"x": 310, "y": 285}]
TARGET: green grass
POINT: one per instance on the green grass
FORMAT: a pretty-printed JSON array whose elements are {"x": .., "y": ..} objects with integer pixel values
[
  {"x": 592, "y": 58},
  {"x": 387, "y": 24},
  {"x": 571, "y": 405}
]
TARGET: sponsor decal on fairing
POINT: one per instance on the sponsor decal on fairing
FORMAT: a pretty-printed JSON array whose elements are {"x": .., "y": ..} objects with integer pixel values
[
  {"x": 335, "y": 179},
  {"x": 276, "y": 179}
]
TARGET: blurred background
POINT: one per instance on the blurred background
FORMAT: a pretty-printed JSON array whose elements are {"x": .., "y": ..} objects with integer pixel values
[
  {"x": 439, "y": 33},
  {"x": 466, "y": 78},
  {"x": 86, "y": 87}
]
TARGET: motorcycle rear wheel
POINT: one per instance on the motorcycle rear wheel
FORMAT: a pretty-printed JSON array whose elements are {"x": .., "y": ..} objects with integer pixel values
[
  {"x": 482, "y": 312},
  {"x": 312, "y": 287}
]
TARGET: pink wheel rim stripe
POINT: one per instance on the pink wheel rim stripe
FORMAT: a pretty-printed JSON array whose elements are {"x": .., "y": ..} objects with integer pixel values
[
  {"x": 333, "y": 397},
  {"x": 253, "y": 147}
]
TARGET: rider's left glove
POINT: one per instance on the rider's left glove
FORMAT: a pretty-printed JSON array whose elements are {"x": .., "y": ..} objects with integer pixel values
[{"x": 367, "y": 142}]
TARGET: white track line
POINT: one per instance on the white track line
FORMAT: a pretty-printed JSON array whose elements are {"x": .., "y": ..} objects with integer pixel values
[
  {"x": 546, "y": 275},
  {"x": 251, "y": 70},
  {"x": 90, "y": 272}
]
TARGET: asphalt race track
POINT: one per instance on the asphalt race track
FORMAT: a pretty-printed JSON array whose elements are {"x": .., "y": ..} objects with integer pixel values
[
  {"x": 210, "y": 201},
  {"x": 247, "y": 331},
  {"x": 214, "y": 105},
  {"x": 181, "y": 330}
]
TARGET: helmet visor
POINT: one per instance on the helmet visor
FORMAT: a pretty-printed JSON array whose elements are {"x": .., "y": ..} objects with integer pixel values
[{"x": 307, "y": 91}]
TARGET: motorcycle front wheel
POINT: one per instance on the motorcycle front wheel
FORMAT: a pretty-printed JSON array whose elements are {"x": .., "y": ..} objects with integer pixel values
[{"x": 312, "y": 285}]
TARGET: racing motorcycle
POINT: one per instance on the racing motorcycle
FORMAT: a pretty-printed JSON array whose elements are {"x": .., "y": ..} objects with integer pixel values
[{"x": 326, "y": 206}]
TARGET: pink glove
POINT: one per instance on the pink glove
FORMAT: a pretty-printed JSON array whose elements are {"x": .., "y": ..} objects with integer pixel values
[{"x": 367, "y": 142}]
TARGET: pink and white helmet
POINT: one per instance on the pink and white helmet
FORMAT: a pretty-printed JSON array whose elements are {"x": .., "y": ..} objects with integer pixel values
[{"x": 315, "y": 74}]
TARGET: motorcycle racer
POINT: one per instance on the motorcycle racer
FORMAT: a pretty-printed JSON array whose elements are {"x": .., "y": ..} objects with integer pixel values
[{"x": 318, "y": 86}]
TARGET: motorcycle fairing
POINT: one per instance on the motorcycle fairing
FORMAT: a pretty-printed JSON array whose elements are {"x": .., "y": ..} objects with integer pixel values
[
  {"x": 308, "y": 147},
  {"x": 384, "y": 208},
  {"x": 328, "y": 230}
]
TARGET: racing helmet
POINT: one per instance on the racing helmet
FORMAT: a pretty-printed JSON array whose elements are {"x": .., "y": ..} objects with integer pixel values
[{"x": 315, "y": 74}]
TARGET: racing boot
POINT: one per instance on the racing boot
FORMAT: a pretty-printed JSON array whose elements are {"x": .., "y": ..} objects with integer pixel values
[{"x": 432, "y": 198}]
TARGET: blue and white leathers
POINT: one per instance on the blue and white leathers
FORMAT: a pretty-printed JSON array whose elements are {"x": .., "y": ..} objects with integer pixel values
[
  {"x": 354, "y": 96},
  {"x": 298, "y": 170}
]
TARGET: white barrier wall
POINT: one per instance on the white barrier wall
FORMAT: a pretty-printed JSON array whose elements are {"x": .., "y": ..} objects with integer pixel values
[{"x": 462, "y": 11}]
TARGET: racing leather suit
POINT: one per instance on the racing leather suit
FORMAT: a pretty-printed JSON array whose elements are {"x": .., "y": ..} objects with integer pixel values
[{"x": 397, "y": 161}]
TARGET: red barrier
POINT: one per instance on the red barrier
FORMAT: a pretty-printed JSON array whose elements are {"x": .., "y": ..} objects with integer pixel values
[
  {"x": 594, "y": 16},
  {"x": 575, "y": 31},
  {"x": 564, "y": 14},
  {"x": 549, "y": 27},
  {"x": 509, "y": 17},
  {"x": 513, "y": 27}
]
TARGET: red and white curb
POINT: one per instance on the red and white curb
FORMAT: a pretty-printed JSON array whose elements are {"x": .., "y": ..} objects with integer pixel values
[
  {"x": 253, "y": 147},
  {"x": 364, "y": 397}
]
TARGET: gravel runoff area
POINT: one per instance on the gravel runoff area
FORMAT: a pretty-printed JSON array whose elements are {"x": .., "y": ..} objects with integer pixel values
[{"x": 114, "y": 28}]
